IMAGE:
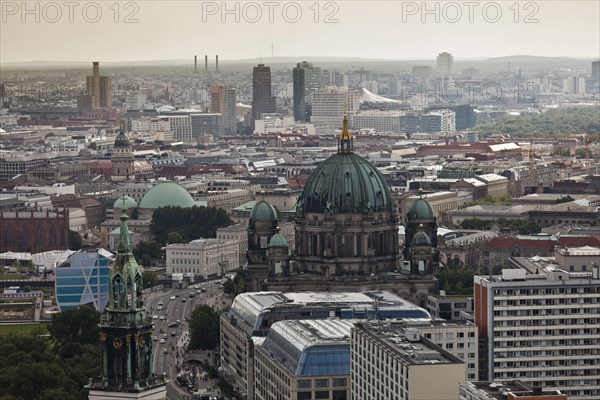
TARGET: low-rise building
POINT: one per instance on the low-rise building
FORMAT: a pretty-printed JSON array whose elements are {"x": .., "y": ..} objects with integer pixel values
[
  {"x": 577, "y": 258},
  {"x": 203, "y": 257}
]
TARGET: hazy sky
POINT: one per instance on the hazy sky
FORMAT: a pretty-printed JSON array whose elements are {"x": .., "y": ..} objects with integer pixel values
[{"x": 107, "y": 30}]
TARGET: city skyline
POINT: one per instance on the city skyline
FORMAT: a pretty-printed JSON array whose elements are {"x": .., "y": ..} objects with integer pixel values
[{"x": 333, "y": 29}]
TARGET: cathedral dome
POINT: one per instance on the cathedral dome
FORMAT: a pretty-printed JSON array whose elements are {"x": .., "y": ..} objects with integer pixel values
[
  {"x": 121, "y": 140},
  {"x": 278, "y": 241},
  {"x": 167, "y": 194},
  {"x": 420, "y": 210},
  {"x": 125, "y": 202},
  {"x": 421, "y": 239},
  {"x": 346, "y": 183},
  {"x": 263, "y": 211}
]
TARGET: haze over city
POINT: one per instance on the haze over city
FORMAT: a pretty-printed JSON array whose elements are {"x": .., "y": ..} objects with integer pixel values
[{"x": 175, "y": 30}]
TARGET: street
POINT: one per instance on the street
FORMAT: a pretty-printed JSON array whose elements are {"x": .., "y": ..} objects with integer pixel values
[{"x": 168, "y": 356}]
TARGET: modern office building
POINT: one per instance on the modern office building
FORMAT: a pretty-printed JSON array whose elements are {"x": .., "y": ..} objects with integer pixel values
[
  {"x": 307, "y": 79},
  {"x": 203, "y": 257},
  {"x": 329, "y": 105},
  {"x": 542, "y": 328},
  {"x": 438, "y": 121},
  {"x": 449, "y": 308},
  {"x": 252, "y": 314},
  {"x": 574, "y": 85},
  {"x": 262, "y": 94},
  {"x": 305, "y": 359},
  {"x": 83, "y": 279},
  {"x": 444, "y": 64},
  {"x": 223, "y": 100},
  {"x": 381, "y": 121},
  {"x": 392, "y": 364}
]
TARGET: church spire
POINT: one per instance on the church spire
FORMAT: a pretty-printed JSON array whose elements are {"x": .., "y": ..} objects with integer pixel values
[{"x": 345, "y": 141}]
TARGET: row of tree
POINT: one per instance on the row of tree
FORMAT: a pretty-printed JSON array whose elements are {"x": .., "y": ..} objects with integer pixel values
[
  {"x": 181, "y": 225},
  {"x": 42, "y": 367},
  {"x": 523, "y": 227},
  {"x": 555, "y": 122}
]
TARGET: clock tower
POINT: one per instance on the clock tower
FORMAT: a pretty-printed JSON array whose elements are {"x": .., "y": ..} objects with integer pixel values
[{"x": 126, "y": 334}]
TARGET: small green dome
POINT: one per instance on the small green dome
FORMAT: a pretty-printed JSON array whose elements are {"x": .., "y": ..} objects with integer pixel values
[
  {"x": 421, "y": 239},
  {"x": 124, "y": 202},
  {"x": 263, "y": 211},
  {"x": 121, "y": 140},
  {"x": 278, "y": 241},
  {"x": 167, "y": 194},
  {"x": 346, "y": 183},
  {"x": 420, "y": 210}
]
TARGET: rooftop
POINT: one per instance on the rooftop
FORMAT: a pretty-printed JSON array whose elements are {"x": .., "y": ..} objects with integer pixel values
[{"x": 407, "y": 343}]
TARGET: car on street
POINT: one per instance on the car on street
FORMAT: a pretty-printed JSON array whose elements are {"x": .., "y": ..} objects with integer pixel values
[
  {"x": 166, "y": 351},
  {"x": 154, "y": 316},
  {"x": 162, "y": 341},
  {"x": 159, "y": 308},
  {"x": 160, "y": 303},
  {"x": 172, "y": 297},
  {"x": 162, "y": 317},
  {"x": 183, "y": 300},
  {"x": 173, "y": 325},
  {"x": 173, "y": 334},
  {"x": 155, "y": 338}
]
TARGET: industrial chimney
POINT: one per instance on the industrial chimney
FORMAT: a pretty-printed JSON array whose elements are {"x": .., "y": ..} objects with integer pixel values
[
  {"x": 217, "y": 63},
  {"x": 195, "y": 63},
  {"x": 205, "y": 63}
]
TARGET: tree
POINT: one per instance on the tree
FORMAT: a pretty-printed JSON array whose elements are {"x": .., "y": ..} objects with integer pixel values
[
  {"x": 135, "y": 213},
  {"x": 204, "y": 328},
  {"x": 565, "y": 199},
  {"x": 75, "y": 240},
  {"x": 77, "y": 325},
  {"x": 188, "y": 223},
  {"x": 229, "y": 287},
  {"x": 150, "y": 247},
  {"x": 150, "y": 279}
]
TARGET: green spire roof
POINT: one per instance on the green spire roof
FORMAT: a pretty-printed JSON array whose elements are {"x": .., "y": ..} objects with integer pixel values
[
  {"x": 124, "y": 202},
  {"x": 263, "y": 211}
]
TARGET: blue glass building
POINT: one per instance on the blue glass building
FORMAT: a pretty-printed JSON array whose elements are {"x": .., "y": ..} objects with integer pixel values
[{"x": 83, "y": 279}]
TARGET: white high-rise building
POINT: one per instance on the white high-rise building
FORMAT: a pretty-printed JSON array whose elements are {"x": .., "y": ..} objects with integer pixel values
[
  {"x": 444, "y": 64},
  {"x": 541, "y": 327},
  {"x": 332, "y": 103},
  {"x": 574, "y": 85}
]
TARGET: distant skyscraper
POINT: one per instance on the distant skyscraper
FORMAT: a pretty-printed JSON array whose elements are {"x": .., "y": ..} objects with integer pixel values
[
  {"x": 444, "y": 63},
  {"x": 307, "y": 79},
  {"x": 262, "y": 98},
  {"x": 574, "y": 85},
  {"x": 332, "y": 103},
  {"x": 223, "y": 102},
  {"x": 98, "y": 90},
  {"x": 596, "y": 71}
]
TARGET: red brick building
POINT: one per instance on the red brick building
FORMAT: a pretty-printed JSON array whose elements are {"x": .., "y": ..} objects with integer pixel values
[{"x": 34, "y": 231}]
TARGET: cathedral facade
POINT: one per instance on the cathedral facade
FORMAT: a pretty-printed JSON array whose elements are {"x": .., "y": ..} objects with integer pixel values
[{"x": 347, "y": 236}]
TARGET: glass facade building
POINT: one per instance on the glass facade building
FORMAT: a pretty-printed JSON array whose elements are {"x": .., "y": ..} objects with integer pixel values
[{"x": 83, "y": 279}]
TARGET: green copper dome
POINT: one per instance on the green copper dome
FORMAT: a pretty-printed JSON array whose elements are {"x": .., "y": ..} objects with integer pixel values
[
  {"x": 263, "y": 211},
  {"x": 278, "y": 241},
  {"x": 421, "y": 239},
  {"x": 420, "y": 210},
  {"x": 345, "y": 183},
  {"x": 121, "y": 140},
  {"x": 125, "y": 202},
  {"x": 167, "y": 194}
]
